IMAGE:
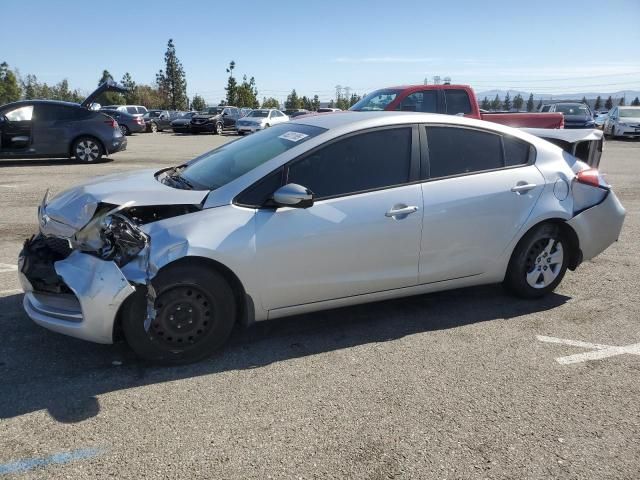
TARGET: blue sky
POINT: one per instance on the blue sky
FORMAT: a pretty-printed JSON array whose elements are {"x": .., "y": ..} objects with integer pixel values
[{"x": 542, "y": 46}]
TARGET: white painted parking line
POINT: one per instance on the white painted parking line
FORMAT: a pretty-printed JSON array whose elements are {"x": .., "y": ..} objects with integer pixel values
[
  {"x": 8, "y": 186},
  {"x": 5, "y": 267},
  {"x": 13, "y": 291},
  {"x": 598, "y": 351}
]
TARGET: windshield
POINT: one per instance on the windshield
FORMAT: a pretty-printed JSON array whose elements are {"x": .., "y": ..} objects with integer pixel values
[
  {"x": 223, "y": 165},
  {"x": 187, "y": 115},
  {"x": 574, "y": 109},
  {"x": 151, "y": 114},
  {"x": 377, "y": 100},
  {"x": 629, "y": 112},
  {"x": 214, "y": 111},
  {"x": 259, "y": 113}
]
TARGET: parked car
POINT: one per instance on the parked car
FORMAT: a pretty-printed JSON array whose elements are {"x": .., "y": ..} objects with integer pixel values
[
  {"x": 623, "y": 122},
  {"x": 259, "y": 120},
  {"x": 182, "y": 124},
  {"x": 576, "y": 115},
  {"x": 50, "y": 128},
  {"x": 299, "y": 113},
  {"x": 323, "y": 212},
  {"x": 328, "y": 110},
  {"x": 138, "y": 110},
  {"x": 215, "y": 120},
  {"x": 245, "y": 111},
  {"x": 290, "y": 111},
  {"x": 128, "y": 123},
  {"x": 158, "y": 120},
  {"x": 452, "y": 100}
]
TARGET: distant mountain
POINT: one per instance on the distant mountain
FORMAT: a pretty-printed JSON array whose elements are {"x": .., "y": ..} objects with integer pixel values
[{"x": 628, "y": 94}]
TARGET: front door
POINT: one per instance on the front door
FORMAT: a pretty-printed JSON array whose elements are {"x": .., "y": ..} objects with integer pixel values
[
  {"x": 476, "y": 199},
  {"x": 15, "y": 131},
  {"x": 362, "y": 235}
]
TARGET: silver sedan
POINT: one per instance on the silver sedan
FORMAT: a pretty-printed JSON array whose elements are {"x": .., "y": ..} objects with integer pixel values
[{"x": 322, "y": 212}]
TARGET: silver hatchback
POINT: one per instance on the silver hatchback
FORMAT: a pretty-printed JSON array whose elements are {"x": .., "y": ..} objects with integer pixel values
[{"x": 322, "y": 212}]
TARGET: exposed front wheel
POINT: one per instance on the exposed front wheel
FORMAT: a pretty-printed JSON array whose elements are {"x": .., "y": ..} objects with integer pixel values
[
  {"x": 87, "y": 150},
  {"x": 153, "y": 127},
  {"x": 194, "y": 315},
  {"x": 538, "y": 262},
  {"x": 219, "y": 128}
]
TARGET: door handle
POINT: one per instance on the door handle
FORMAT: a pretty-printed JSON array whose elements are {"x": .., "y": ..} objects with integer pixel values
[
  {"x": 523, "y": 187},
  {"x": 401, "y": 211}
]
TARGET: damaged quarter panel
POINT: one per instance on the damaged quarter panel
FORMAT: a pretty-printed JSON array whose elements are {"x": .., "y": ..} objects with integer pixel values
[{"x": 225, "y": 234}]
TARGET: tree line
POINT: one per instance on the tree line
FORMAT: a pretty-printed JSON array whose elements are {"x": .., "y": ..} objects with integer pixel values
[{"x": 517, "y": 103}]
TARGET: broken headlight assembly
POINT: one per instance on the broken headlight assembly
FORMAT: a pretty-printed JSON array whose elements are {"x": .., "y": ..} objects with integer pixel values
[{"x": 111, "y": 235}]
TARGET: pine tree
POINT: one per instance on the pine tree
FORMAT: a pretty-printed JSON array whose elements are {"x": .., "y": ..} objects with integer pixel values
[
  {"x": 172, "y": 81},
  {"x": 621, "y": 102},
  {"x": 30, "y": 87},
  {"x": 106, "y": 98},
  {"x": 518, "y": 102},
  {"x": 247, "y": 93},
  {"x": 270, "y": 103},
  {"x": 10, "y": 89},
  {"x": 292, "y": 101},
  {"x": 584, "y": 100},
  {"x": 486, "y": 104},
  {"x": 598, "y": 104},
  {"x": 198, "y": 103},
  {"x": 128, "y": 83},
  {"x": 506, "y": 105},
  {"x": 636, "y": 102},
  {"x": 232, "y": 85},
  {"x": 609, "y": 103},
  {"x": 315, "y": 104},
  {"x": 496, "y": 103},
  {"x": 530, "y": 104}
]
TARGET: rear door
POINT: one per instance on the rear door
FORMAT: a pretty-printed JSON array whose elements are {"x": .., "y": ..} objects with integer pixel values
[
  {"x": 480, "y": 189},
  {"x": 52, "y": 128},
  {"x": 352, "y": 241}
]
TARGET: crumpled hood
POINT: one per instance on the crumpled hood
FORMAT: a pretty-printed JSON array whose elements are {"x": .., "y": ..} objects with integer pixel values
[{"x": 76, "y": 206}]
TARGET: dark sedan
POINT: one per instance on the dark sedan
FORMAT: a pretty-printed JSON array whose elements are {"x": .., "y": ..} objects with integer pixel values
[
  {"x": 53, "y": 129},
  {"x": 182, "y": 124},
  {"x": 215, "y": 120},
  {"x": 128, "y": 123}
]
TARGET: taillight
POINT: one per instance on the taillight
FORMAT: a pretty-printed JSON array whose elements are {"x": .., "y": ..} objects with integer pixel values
[
  {"x": 140, "y": 120},
  {"x": 592, "y": 177},
  {"x": 111, "y": 122}
]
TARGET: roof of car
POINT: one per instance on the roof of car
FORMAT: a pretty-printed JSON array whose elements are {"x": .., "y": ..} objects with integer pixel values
[{"x": 44, "y": 102}]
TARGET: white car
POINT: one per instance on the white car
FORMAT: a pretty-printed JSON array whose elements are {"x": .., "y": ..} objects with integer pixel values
[
  {"x": 623, "y": 122},
  {"x": 259, "y": 120},
  {"x": 322, "y": 212}
]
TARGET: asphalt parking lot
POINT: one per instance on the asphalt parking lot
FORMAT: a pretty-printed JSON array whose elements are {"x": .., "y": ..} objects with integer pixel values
[{"x": 464, "y": 384}]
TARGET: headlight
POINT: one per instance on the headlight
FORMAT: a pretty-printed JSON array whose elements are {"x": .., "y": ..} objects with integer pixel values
[{"x": 111, "y": 236}]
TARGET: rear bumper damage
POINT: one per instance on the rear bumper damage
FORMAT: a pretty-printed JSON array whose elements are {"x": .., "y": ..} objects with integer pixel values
[
  {"x": 599, "y": 226},
  {"x": 80, "y": 296}
]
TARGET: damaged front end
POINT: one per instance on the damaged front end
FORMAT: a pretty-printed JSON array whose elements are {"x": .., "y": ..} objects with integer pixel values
[{"x": 74, "y": 282}]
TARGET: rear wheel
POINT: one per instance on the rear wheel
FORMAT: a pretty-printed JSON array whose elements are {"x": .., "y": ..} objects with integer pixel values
[
  {"x": 538, "y": 262},
  {"x": 125, "y": 130},
  {"x": 87, "y": 150},
  {"x": 195, "y": 313}
]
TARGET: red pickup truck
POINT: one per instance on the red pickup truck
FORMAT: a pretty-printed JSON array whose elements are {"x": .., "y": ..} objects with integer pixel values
[{"x": 452, "y": 100}]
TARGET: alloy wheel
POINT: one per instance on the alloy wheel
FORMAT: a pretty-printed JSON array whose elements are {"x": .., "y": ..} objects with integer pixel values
[
  {"x": 87, "y": 151},
  {"x": 544, "y": 262}
]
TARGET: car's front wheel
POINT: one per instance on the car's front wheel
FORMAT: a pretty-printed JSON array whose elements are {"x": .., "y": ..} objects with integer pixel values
[
  {"x": 87, "y": 150},
  {"x": 538, "y": 262},
  {"x": 153, "y": 128},
  {"x": 194, "y": 315},
  {"x": 219, "y": 128}
]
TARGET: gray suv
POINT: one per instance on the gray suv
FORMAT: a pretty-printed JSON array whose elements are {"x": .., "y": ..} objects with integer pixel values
[{"x": 54, "y": 129}]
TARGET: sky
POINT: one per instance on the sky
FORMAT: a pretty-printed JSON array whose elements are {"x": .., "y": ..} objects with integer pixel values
[{"x": 560, "y": 46}]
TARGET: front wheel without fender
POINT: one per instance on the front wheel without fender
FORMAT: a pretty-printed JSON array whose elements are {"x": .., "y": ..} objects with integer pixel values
[
  {"x": 194, "y": 315},
  {"x": 538, "y": 262}
]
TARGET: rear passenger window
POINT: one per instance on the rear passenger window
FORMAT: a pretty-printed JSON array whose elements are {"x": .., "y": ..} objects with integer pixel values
[
  {"x": 132, "y": 110},
  {"x": 516, "y": 152},
  {"x": 456, "y": 151},
  {"x": 362, "y": 162},
  {"x": 457, "y": 101},
  {"x": 426, "y": 101}
]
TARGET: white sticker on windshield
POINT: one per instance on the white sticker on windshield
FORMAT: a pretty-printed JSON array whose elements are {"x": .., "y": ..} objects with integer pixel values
[{"x": 293, "y": 136}]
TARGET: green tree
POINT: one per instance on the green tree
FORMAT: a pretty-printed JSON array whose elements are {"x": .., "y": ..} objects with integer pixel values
[
  {"x": 486, "y": 104},
  {"x": 530, "y": 104},
  {"x": 10, "y": 89},
  {"x": 354, "y": 99},
  {"x": 172, "y": 81},
  {"x": 107, "y": 98},
  {"x": 506, "y": 104},
  {"x": 31, "y": 87},
  {"x": 598, "y": 104},
  {"x": 518, "y": 102},
  {"x": 198, "y": 103},
  {"x": 270, "y": 103},
  {"x": 315, "y": 104},
  {"x": 609, "y": 103},
  {"x": 636, "y": 102},
  {"x": 232, "y": 85},
  {"x": 331, "y": 104},
  {"x": 496, "y": 103},
  {"x": 584, "y": 100},
  {"x": 247, "y": 93},
  {"x": 293, "y": 101},
  {"x": 128, "y": 83},
  {"x": 621, "y": 102},
  {"x": 306, "y": 103}
]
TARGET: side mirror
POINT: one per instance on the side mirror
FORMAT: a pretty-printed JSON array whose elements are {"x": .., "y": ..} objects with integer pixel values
[{"x": 293, "y": 195}]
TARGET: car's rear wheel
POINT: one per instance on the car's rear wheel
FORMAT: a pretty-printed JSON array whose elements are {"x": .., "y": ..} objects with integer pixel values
[
  {"x": 153, "y": 127},
  {"x": 125, "y": 130},
  {"x": 87, "y": 150},
  {"x": 538, "y": 262},
  {"x": 195, "y": 313},
  {"x": 219, "y": 128}
]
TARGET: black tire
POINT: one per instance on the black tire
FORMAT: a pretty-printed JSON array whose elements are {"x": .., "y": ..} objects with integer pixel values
[
  {"x": 267, "y": 126},
  {"x": 195, "y": 313},
  {"x": 153, "y": 127},
  {"x": 219, "y": 128},
  {"x": 125, "y": 130},
  {"x": 532, "y": 262},
  {"x": 87, "y": 150}
]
